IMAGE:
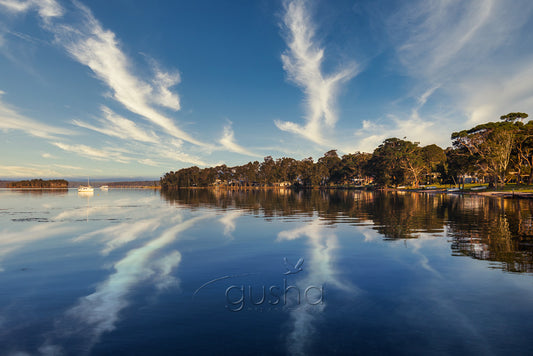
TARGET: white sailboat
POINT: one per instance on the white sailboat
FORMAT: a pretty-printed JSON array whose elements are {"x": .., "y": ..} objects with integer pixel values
[{"x": 85, "y": 188}]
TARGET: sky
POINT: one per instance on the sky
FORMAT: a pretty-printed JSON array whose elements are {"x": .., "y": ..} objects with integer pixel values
[{"x": 126, "y": 88}]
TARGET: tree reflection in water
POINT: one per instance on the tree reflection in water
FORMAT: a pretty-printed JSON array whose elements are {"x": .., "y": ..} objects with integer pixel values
[{"x": 493, "y": 229}]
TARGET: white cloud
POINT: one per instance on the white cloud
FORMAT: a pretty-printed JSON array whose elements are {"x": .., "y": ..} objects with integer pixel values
[
  {"x": 439, "y": 38},
  {"x": 178, "y": 155},
  {"x": 228, "y": 142},
  {"x": 118, "y": 126},
  {"x": 162, "y": 82},
  {"x": 94, "y": 153},
  {"x": 465, "y": 65},
  {"x": 25, "y": 171},
  {"x": 10, "y": 119},
  {"x": 303, "y": 63},
  {"x": 46, "y": 8},
  {"x": 149, "y": 162},
  {"x": 66, "y": 166},
  {"x": 97, "y": 48},
  {"x": 475, "y": 59},
  {"x": 486, "y": 99},
  {"x": 89, "y": 43},
  {"x": 412, "y": 128}
]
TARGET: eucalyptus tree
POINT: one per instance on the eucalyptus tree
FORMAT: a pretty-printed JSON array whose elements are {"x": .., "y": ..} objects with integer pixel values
[
  {"x": 354, "y": 165},
  {"x": 491, "y": 145},
  {"x": 397, "y": 161},
  {"x": 306, "y": 171},
  {"x": 522, "y": 155},
  {"x": 328, "y": 167}
]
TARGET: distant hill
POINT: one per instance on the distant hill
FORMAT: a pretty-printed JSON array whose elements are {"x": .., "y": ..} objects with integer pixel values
[
  {"x": 119, "y": 184},
  {"x": 4, "y": 183},
  {"x": 136, "y": 184},
  {"x": 61, "y": 183}
]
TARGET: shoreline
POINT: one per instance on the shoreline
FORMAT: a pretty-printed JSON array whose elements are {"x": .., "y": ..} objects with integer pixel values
[{"x": 493, "y": 194}]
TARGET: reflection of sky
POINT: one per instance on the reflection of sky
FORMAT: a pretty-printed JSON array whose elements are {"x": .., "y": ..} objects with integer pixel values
[
  {"x": 128, "y": 222},
  {"x": 99, "y": 311},
  {"x": 229, "y": 221},
  {"x": 319, "y": 271},
  {"x": 72, "y": 284}
]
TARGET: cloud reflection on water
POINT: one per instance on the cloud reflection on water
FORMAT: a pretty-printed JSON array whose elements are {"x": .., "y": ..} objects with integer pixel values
[
  {"x": 15, "y": 240},
  {"x": 319, "y": 270},
  {"x": 228, "y": 220},
  {"x": 99, "y": 312},
  {"x": 118, "y": 235}
]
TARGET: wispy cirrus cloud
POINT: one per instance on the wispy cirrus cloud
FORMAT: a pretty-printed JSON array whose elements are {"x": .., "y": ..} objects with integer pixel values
[
  {"x": 228, "y": 142},
  {"x": 373, "y": 133},
  {"x": 466, "y": 64},
  {"x": 303, "y": 63},
  {"x": 412, "y": 126},
  {"x": 139, "y": 142},
  {"x": 179, "y": 155},
  {"x": 46, "y": 8},
  {"x": 118, "y": 126},
  {"x": 89, "y": 43},
  {"x": 11, "y": 119},
  {"x": 162, "y": 82},
  {"x": 456, "y": 55},
  {"x": 432, "y": 36},
  {"x": 92, "y": 45},
  {"x": 28, "y": 171},
  {"x": 94, "y": 153}
]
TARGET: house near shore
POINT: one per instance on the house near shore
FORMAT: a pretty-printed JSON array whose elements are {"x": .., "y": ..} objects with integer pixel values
[
  {"x": 283, "y": 184},
  {"x": 468, "y": 179}
]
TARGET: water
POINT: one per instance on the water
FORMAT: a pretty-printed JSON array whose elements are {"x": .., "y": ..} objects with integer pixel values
[{"x": 203, "y": 272}]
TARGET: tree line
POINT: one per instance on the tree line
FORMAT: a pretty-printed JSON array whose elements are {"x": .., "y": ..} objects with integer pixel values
[
  {"x": 494, "y": 152},
  {"x": 39, "y": 183}
]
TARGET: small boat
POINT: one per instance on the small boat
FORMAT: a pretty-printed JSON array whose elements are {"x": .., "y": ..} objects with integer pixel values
[
  {"x": 104, "y": 187},
  {"x": 452, "y": 189},
  {"x": 85, "y": 188},
  {"x": 479, "y": 188}
]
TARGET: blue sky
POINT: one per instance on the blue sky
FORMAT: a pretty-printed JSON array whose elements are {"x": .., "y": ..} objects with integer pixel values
[{"x": 136, "y": 88}]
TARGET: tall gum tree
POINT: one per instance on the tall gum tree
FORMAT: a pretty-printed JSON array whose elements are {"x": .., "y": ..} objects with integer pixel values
[{"x": 491, "y": 145}]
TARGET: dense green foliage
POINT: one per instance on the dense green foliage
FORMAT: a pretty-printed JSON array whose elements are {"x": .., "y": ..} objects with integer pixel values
[
  {"x": 329, "y": 169},
  {"x": 39, "y": 183},
  {"x": 494, "y": 152}
]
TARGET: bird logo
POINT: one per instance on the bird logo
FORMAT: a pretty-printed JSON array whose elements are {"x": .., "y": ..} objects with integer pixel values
[{"x": 293, "y": 269}]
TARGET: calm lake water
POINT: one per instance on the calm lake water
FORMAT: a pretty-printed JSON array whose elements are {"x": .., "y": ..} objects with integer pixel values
[{"x": 200, "y": 272}]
